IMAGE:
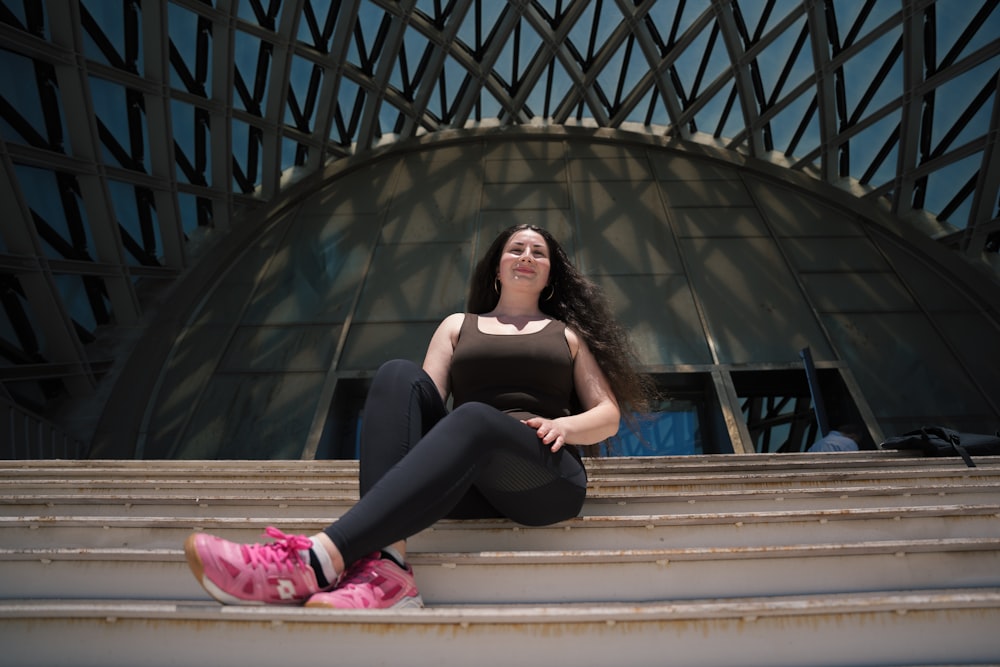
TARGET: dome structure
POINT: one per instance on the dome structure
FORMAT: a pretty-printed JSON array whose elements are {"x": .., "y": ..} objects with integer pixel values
[{"x": 209, "y": 206}]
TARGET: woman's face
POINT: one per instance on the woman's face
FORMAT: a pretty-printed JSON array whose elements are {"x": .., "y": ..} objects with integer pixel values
[{"x": 525, "y": 261}]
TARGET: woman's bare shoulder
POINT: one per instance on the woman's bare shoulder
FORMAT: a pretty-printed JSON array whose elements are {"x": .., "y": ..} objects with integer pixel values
[
  {"x": 572, "y": 339},
  {"x": 452, "y": 324}
]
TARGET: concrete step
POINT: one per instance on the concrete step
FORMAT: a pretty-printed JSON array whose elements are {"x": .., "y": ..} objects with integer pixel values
[
  {"x": 706, "y": 529},
  {"x": 326, "y": 489},
  {"x": 855, "y": 559},
  {"x": 253, "y": 469},
  {"x": 181, "y": 502},
  {"x": 564, "y": 575},
  {"x": 345, "y": 479},
  {"x": 768, "y": 469},
  {"x": 917, "y": 627}
]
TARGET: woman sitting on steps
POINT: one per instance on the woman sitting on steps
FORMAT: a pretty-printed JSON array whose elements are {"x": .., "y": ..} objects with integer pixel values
[{"x": 536, "y": 366}]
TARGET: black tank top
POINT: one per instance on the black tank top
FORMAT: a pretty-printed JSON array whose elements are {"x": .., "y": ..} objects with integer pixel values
[{"x": 524, "y": 375}]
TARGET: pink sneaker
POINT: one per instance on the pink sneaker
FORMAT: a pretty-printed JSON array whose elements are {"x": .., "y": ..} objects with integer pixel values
[
  {"x": 371, "y": 583},
  {"x": 273, "y": 573}
]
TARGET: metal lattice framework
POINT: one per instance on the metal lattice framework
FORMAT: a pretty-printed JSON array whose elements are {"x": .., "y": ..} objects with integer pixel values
[{"x": 131, "y": 128}]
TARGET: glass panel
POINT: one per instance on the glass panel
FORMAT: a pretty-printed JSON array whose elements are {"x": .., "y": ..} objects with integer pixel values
[
  {"x": 21, "y": 336},
  {"x": 315, "y": 275},
  {"x": 191, "y": 36},
  {"x": 366, "y": 190},
  {"x": 249, "y": 54},
  {"x": 862, "y": 71},
  {"x": 661, "y": 317},
  {"x": 846, "y": 254},
  {"x": 47, "y": 194},
  {"x": 32, "y": 103},
  {"x": 785, "y": 124},
  {"x": 865, "y": 147},
  {"x": 525, "y": 171},
  {"x": 253, "y": 417},
  {"x": 136, "y": 214},
  {"x": 754, "y": 308},
  {"x": 304, "y": 82},
  {"x": 525, "y": 150},
  {"x": 671, "y": 167},
  {"x": 623, "y": 229},
  {"x": 246, "y": 156},
  {"x": 854, "y": 292},
  {"x": 187, "y": 371},
  {"x": 85, "y": 302},
  {"x": 371, "y": 345},
  {"x": 778, "y": 72},
  {"x": 947, "y": 183},
  {"x": 718, "y": 222},
  {"x": 519, "y": 196},
  {"x": 126, "y": 143},
  {"x": 118, "y": 24},
  {"x": 974, "y": 340},
  {"x": 415, "y": 281},
  {"x": 793, "y": 214},
  {"x": 719, "y": 194},
  {"x": 197, "y": 352},
  {"x": 192, "y": 141},
  {"x": 905, "y": 371},
  {"x": 288, "y": 348},
  {"x": 930, "y": 287},
  {"x": 436, "y": 200}
]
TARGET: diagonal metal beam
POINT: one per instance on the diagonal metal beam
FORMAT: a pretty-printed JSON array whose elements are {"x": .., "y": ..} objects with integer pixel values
[
  {"x": 56, "y": 328},
  {"x": 387, "y": 61},
  {"x": 656, "y": 76},
  {"x": 482, "y": 74},
  {"x": 912, "y": 110},
  {"x": 819, "y": 33},
  {"x": 281, "y": 69},
  {"x": 442, "y": 43},
  {"x": 333, "y": 63},
  {"x": 555, "y": 43},
  {"x": 740, "y": 64},
  {"x": 982, "y": 218}
]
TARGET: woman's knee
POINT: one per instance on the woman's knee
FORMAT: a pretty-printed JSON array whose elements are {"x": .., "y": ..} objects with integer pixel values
[
  {"x": 395, "y": 369},
  {"x": 396, "y": 379},
  {"x": 478, "y": 414}
]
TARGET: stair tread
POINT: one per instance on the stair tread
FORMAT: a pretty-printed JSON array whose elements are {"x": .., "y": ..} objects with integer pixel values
[
  {"x": 294, "y": 488},
  {"x": 596, "y": 520},
  {"x": 573, "y": 612},
  {"x": 633, "y": 466},
  {"x": 557, "y": 556}
]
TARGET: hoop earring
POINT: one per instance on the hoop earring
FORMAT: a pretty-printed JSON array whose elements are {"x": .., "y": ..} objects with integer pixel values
[
  {"x": 552, "y": 293},
  {"x": 496, "y": 286}
]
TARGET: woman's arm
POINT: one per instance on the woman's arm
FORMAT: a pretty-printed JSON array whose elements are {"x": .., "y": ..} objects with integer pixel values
[
  {"x": 437, "y": 360},
  {"x": 601, "y": 414}
]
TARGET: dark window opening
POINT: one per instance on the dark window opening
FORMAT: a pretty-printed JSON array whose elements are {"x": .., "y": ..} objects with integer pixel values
[
  {"x": 342, "y": 431},
  {"x": 687, "y": 421},
  {"x": 779, "y": 411}
]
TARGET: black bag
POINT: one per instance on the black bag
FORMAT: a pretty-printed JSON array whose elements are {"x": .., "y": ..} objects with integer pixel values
[{"x": 940, "y": 441}]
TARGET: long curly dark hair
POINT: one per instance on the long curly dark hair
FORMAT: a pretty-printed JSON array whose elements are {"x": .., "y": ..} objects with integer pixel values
[{"x": 580, "y": 305}]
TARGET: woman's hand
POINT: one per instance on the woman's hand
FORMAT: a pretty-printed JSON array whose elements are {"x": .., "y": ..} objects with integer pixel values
[{"x": 549, "y": 431}]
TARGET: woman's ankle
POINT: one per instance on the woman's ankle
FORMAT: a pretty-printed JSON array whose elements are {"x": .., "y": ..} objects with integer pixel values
[{"x": 328, "y": 555}]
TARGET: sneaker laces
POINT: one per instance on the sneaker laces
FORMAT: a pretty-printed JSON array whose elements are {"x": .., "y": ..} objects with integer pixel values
[{"x": 285, "y": 548}]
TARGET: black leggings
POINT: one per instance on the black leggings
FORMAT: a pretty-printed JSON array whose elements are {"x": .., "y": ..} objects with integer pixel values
[{"x": 421, "y": 463}]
